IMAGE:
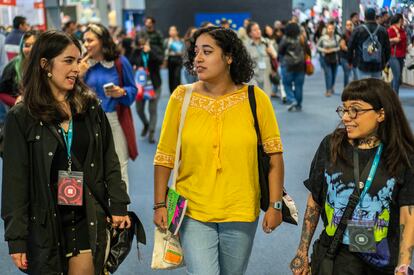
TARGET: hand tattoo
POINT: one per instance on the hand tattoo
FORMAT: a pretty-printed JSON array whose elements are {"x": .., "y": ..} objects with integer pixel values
[{"x": 297, "y": 263}]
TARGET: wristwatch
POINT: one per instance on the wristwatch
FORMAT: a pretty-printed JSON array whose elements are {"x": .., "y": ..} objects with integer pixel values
[{"x": 276, "y": 205}]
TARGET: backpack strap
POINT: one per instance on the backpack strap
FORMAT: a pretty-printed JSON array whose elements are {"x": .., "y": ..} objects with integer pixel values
[
  {"x": 370, "y": 34},
  {"x": 376, "y": 30}
]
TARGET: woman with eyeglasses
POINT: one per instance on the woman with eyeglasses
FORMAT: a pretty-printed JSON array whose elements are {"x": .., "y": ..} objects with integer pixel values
[{"x": 368, "y": 160}]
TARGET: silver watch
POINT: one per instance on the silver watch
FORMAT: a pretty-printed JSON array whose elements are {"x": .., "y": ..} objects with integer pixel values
[{"x": 276, "y": 205}]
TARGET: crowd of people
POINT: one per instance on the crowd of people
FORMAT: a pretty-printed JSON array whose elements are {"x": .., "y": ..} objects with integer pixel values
[{"x": 69, "y": 124}]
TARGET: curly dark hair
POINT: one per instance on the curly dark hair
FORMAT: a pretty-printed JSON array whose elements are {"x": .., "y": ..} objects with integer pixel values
[
  {"x": 109, "y": 49},
  {"x": 241, "y": 69}
]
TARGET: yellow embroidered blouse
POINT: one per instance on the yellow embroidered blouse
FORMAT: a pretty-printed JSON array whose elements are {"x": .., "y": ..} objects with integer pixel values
[{"x": 218, "y": 173}]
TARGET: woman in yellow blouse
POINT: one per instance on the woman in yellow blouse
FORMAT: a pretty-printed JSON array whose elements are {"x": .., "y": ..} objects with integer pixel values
[{"x": 219, "y": 170}]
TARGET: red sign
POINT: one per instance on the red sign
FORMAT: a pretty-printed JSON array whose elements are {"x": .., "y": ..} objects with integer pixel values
[
  {"x": 8, "y": 2},
  {"x": 39, "y": 5}
]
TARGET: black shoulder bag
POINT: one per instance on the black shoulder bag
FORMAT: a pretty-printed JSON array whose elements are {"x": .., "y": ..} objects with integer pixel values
[
  {"x": 324, "y": 264},
  {"x": 289, "y": 210},
  {"x": 120, "y": 239}
]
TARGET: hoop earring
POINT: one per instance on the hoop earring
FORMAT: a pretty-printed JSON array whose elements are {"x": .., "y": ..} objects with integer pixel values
[{"x": 49, "y": 75}]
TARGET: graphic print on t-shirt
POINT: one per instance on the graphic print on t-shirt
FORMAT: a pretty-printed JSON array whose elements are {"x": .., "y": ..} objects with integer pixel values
[{"x": 374, "y": 207}]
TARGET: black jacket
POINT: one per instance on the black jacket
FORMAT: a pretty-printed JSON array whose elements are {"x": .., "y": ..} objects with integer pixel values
[
  {"x": 155, "y": 60},
  {"x": 29, "y": 209},
  {"x": 359, "y": 35}
]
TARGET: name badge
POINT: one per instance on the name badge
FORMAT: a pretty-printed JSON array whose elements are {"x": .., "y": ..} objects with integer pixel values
[
  {"x": 261, "y": 65},
  {"x": 70, "y": 188},
  {"x": 361, "y": 237}
]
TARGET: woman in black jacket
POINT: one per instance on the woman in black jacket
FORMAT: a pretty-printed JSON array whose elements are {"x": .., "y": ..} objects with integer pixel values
[{"x": 59, "y": 159}]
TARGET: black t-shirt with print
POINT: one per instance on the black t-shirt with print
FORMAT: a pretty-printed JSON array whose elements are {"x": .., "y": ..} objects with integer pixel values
[{"x": 331, "y": 185}]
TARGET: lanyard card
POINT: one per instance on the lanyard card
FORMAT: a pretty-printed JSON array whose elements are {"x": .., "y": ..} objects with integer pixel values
[
  {"x": 70, "y": 188},
  {"x": 361, "y": 237}
]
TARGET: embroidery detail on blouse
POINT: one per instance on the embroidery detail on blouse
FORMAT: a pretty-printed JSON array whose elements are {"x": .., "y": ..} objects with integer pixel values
[
  {"x": 164, "y": 159},
  {"x": 273, "y": 145},
  {"x": 104, "y": 63},
  {"x": 211, "y": 105}
]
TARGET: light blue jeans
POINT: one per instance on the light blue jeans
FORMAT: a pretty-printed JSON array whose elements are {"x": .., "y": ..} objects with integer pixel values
[
  {"x": 293, "y": 83},
  {"x": 217, "y": 248},
  {"x": 363, "y": 75},
  {"x": 397, "y": 65}
]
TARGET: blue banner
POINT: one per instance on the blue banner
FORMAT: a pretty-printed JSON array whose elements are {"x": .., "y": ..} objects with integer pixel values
[{"x": 235, "y": 19}]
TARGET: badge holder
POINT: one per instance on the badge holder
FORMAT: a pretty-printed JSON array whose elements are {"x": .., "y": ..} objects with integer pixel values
[{"x": 70, "y": 183}]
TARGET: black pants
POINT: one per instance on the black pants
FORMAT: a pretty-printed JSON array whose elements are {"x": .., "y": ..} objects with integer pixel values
[
  {"x": 175, "y": 63},
  {"x": 348, "y": 263}
]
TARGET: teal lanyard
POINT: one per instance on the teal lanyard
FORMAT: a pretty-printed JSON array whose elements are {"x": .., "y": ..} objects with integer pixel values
[
  {"x": 68, "y": 137},
  {"x": 145, "y": 57},
  {"x": 371, "y": 174}
]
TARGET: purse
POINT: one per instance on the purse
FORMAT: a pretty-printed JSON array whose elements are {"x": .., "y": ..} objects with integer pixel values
[
  {"x": 289, "y": 209},
  {"x": 125, "y": 118},
  {"x": 167, "y": 253},
  {"x": 309, "y": 68}
]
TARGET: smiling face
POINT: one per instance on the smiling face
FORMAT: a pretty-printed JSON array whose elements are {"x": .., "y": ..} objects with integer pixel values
[
  {"x": 365, "y": 124},
  {"x": 93, "y": 44},
  {"x": 210, "y": 62},
  {"x": 27, "y": 45},
  {"x": 64, "y": 69}
]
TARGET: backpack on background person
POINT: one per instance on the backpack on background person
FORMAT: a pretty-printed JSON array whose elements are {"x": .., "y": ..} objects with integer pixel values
[{"x": 371, "y": 47}]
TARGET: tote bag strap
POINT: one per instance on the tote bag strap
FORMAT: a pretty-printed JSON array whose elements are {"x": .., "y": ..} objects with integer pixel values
[{"x": 184, "y": 108}]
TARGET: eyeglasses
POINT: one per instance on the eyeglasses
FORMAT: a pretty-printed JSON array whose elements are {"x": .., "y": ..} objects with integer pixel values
[{"x": 352, "y": 111}]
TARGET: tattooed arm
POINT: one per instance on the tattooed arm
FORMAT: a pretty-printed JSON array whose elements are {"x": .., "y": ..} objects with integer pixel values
[
  {"x": 300, "y": 264},
  {"x": 406, "y": 235}
]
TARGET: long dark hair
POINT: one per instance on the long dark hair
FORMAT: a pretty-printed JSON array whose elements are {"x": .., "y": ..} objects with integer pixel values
[
  {"x": 109, "y": 49},
  {"x": 38, "y": 96},
  {"x": 241, "y": 69},
  {"x": 394, "y": 132}
]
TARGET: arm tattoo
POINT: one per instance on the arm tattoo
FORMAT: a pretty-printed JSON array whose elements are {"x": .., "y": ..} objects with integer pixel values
[{"x": 310, "y": 222}]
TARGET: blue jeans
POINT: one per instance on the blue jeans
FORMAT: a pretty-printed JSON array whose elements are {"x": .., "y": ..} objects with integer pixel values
[
  {"x": 396, "y": 65},
  {"x": 330, "y": 71},
  {"x": 363, "y": 75},
  {"x": 290, "y": 80},
  {"x": 217, "y": 248},
  {"x": 347, "y": 71}
]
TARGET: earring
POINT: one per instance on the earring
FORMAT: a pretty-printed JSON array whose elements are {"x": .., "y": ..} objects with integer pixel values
[{"x": 49, "y": 75}]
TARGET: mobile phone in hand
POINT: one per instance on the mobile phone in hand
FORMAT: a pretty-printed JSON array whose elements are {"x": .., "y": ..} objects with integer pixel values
[{"x": 108, "y": 87}]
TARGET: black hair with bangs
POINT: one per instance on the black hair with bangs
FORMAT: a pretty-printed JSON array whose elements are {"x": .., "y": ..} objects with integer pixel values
[{"x": 394, "y": 132}]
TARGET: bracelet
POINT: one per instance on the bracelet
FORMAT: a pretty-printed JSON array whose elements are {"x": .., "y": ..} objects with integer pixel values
[{"x": 159, "y": 206}]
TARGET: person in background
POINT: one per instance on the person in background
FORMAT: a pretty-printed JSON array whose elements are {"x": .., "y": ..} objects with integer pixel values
[
  {"x": 174, "y": 52},
  {"x": 100, "y": 67},
  {"x": 13, "y": 39},
  {"x": 155, "y": 36},
  {"x": 126, "y": 48},
  {"x": 354, "y": 17},
  {"x": 241, "y": 32},
  {"x": 224, "y": 23},
  {"x": 190, "y": 77},
  {"x": 372, "y": 124},
  {"x": 45, "y": 234},
  {"x": 3, "y": 54},
  {"x": 320, "y": 30},
  {"x": 261, "y": 51},
  {"x": 70, "y": 27},
  {"x": 398, "y": 41},
  {"x": 149, "y": 59},
  {"x": 292, "y": 50},
  {"x": 218, "y": 173},
  {"x": 328, "y": 48},
  {"x": 371, "y": 61},
  {"x": 11, "y": 78},
  {"x": 343, "y": 44}
]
